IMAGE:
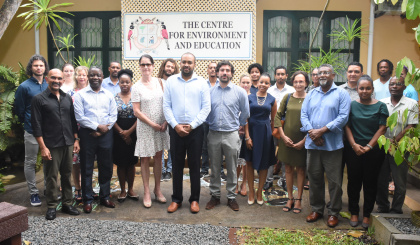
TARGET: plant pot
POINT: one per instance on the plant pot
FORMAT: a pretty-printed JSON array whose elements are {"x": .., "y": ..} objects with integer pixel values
[{"x": 415, "y": 218}]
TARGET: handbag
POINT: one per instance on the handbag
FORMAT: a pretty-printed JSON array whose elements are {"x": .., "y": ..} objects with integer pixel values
[{"x": 283, "y": 118}]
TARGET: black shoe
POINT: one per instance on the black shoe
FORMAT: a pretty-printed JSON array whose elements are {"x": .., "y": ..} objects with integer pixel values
[
  {"x": 162, "y": 177},
  {"x": 167, "y": 176},
  {"x": 268, "y": 185},
  {"x": 50, "y": 214},
  {"x": 70, "y": 210},
  {"x": 204, "y": 174},
  {"x": 223, "y": 176}
]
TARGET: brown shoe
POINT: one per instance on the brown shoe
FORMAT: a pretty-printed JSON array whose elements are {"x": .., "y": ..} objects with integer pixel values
[
  {"x": 107, "y": 203},
  {"x": 314, "y": 216},
  {"x": 87, "y": 207},
  {"x": 212, "y": 203},
  {"x": 332, "y": 221},
  {"x": 174, "y": 207},
  {"x": 194, "y": 207},
  {"x": 233, "y": 204}
]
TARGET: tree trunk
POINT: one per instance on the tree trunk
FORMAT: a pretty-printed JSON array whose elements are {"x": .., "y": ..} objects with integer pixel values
[{"x": 7, "y": 11}]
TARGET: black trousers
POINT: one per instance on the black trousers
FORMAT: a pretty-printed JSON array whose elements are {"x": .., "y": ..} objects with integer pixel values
[
  {"x": 363, "y": 171},
  {"x": 102, "y": 148},
  {"x": 192, "y": 146}
]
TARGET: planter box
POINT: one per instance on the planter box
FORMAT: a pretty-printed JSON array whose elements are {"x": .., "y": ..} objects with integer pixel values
[{"x": 386, "y": 234}]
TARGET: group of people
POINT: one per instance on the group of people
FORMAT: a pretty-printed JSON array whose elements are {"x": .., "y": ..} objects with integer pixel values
[{"x": 319, "y": 129}]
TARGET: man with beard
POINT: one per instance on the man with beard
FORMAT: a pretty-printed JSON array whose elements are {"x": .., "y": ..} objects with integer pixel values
[
  {"x": 354, "y": 72},
  {"x": 381, "y": 85},
  {"x": 205, "y": 163},
  {"x": 396, "y": 103},
  {"x": 55, "y": 130},
  {"x": 168, "y": 68},
  {"x": 229, "y": 110},
  {"x": 325, "y": 112},
  {"x": 96, "y": 112},
  {"x": 111, "y": 83},
  {"x": 255, "y": 70},
  {"x": 186, "y": 105},
  {"x": 278, "y": 90},
  {"x": 36, "y": 69}
]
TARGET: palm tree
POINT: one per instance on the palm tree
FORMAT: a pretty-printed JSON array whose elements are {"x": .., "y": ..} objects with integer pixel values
[{"x": 41, "y": 13}]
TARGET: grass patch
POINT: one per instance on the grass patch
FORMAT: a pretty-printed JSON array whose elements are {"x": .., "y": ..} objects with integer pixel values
[{"x": 247, "y": 235}]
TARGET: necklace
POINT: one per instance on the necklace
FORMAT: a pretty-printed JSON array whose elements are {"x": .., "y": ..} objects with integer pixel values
[{"x": 261, "y": 100}]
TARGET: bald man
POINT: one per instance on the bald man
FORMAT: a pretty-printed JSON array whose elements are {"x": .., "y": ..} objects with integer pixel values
[{"x": 55, "y": 129}]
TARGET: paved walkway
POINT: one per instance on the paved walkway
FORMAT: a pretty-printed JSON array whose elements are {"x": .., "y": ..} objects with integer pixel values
[{"x": 253, "y": 216}]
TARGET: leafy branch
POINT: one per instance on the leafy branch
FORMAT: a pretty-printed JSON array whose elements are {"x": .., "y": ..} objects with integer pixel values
[{"x": 41, "y": 13}]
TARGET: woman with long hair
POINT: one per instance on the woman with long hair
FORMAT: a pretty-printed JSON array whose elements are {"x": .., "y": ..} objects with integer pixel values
[{"x": 68, "y": 77}]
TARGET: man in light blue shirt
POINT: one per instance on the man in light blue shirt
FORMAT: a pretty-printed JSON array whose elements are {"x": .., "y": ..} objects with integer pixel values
[
  {"x": 324, "y": 114},
  {"x": 229, "y": 110},
  {"x": 186, "y": 105},
  {"x": 111, "y": 83},
  {"x": 96, "y": 112}
]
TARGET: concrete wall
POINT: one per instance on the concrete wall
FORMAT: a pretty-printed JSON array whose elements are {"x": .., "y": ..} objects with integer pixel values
[
  {"x": 393, "y": 37},
  {"x": 18, "y": 45}
]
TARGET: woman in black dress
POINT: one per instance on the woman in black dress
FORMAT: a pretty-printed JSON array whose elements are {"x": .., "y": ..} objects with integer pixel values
[{"x": 125, "y": 136}]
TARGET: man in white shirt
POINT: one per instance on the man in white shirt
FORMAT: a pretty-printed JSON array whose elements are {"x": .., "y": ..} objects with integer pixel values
[
  {"x": 380, "y": 85},
  {"x": 278, "y": 90}
]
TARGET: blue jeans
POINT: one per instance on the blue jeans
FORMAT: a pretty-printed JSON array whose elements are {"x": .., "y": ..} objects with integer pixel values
[{"x": 168, "y": 168}]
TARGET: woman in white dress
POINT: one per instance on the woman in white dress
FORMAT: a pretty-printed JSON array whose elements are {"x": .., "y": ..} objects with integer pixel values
[
  {"x": 69, "y": 79},
  {"x": 152, "y": 136}
]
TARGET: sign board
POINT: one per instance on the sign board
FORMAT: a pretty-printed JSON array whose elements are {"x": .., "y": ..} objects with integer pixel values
[{"x": 208, "y": 35}]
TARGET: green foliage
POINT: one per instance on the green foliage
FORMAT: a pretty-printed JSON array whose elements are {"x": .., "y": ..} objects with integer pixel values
[
  {"x": 412, "y": 9},
  {"x": 371, "y": 231},
  {"x": 41, "y": 13},
  {"x": 1, "y": 184},
  {"x": 349, "y": 33},
  {"x": 81, "y": 61},
  {"x": 280, "y": 236},
  {"x": 331, "y": 57},
  {"x": 67, "y": 43},
  {"x": 9, "y": 81}
]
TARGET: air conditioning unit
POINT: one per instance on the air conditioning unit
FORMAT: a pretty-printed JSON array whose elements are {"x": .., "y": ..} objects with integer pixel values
[{"x": 387, "y": 8}]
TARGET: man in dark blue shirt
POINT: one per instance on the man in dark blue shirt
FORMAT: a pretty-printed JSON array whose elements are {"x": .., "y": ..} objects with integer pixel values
[{"x": 36, "y": 69}]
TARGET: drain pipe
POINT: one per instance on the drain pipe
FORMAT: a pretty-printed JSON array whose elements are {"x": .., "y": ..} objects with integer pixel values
[
  {"x": 370, "y": 44},
  {"x": 36, "y": 36}
]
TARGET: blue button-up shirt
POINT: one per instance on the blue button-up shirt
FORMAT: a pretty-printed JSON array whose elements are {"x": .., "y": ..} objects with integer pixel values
[
  {"x": 229, "y": 108},
  {"x": 94, "y": 108},
  {"x": 329, "y": 109},
  {"x": 208, "y": 82},
  {"x": 23, "y": 99},
  {"x": 109, "y": 85},
  {"x": 186, "y": 102}
]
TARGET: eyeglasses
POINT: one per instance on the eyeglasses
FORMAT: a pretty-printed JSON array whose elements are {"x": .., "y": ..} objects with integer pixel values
[
  {"x": 396, "y": 84},
  {"x": 145, "y": 65},
  {"x": 314, "y": 74},
  {"x": 324, "y": 73}
]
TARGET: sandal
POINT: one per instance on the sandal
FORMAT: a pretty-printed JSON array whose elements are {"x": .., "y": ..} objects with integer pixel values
[
  {"x": 299, "y": 210},
  {"x": 78, "y": 195},
  {"x": 286, "y": 208},
  {"x": 306, "y": 186}
]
